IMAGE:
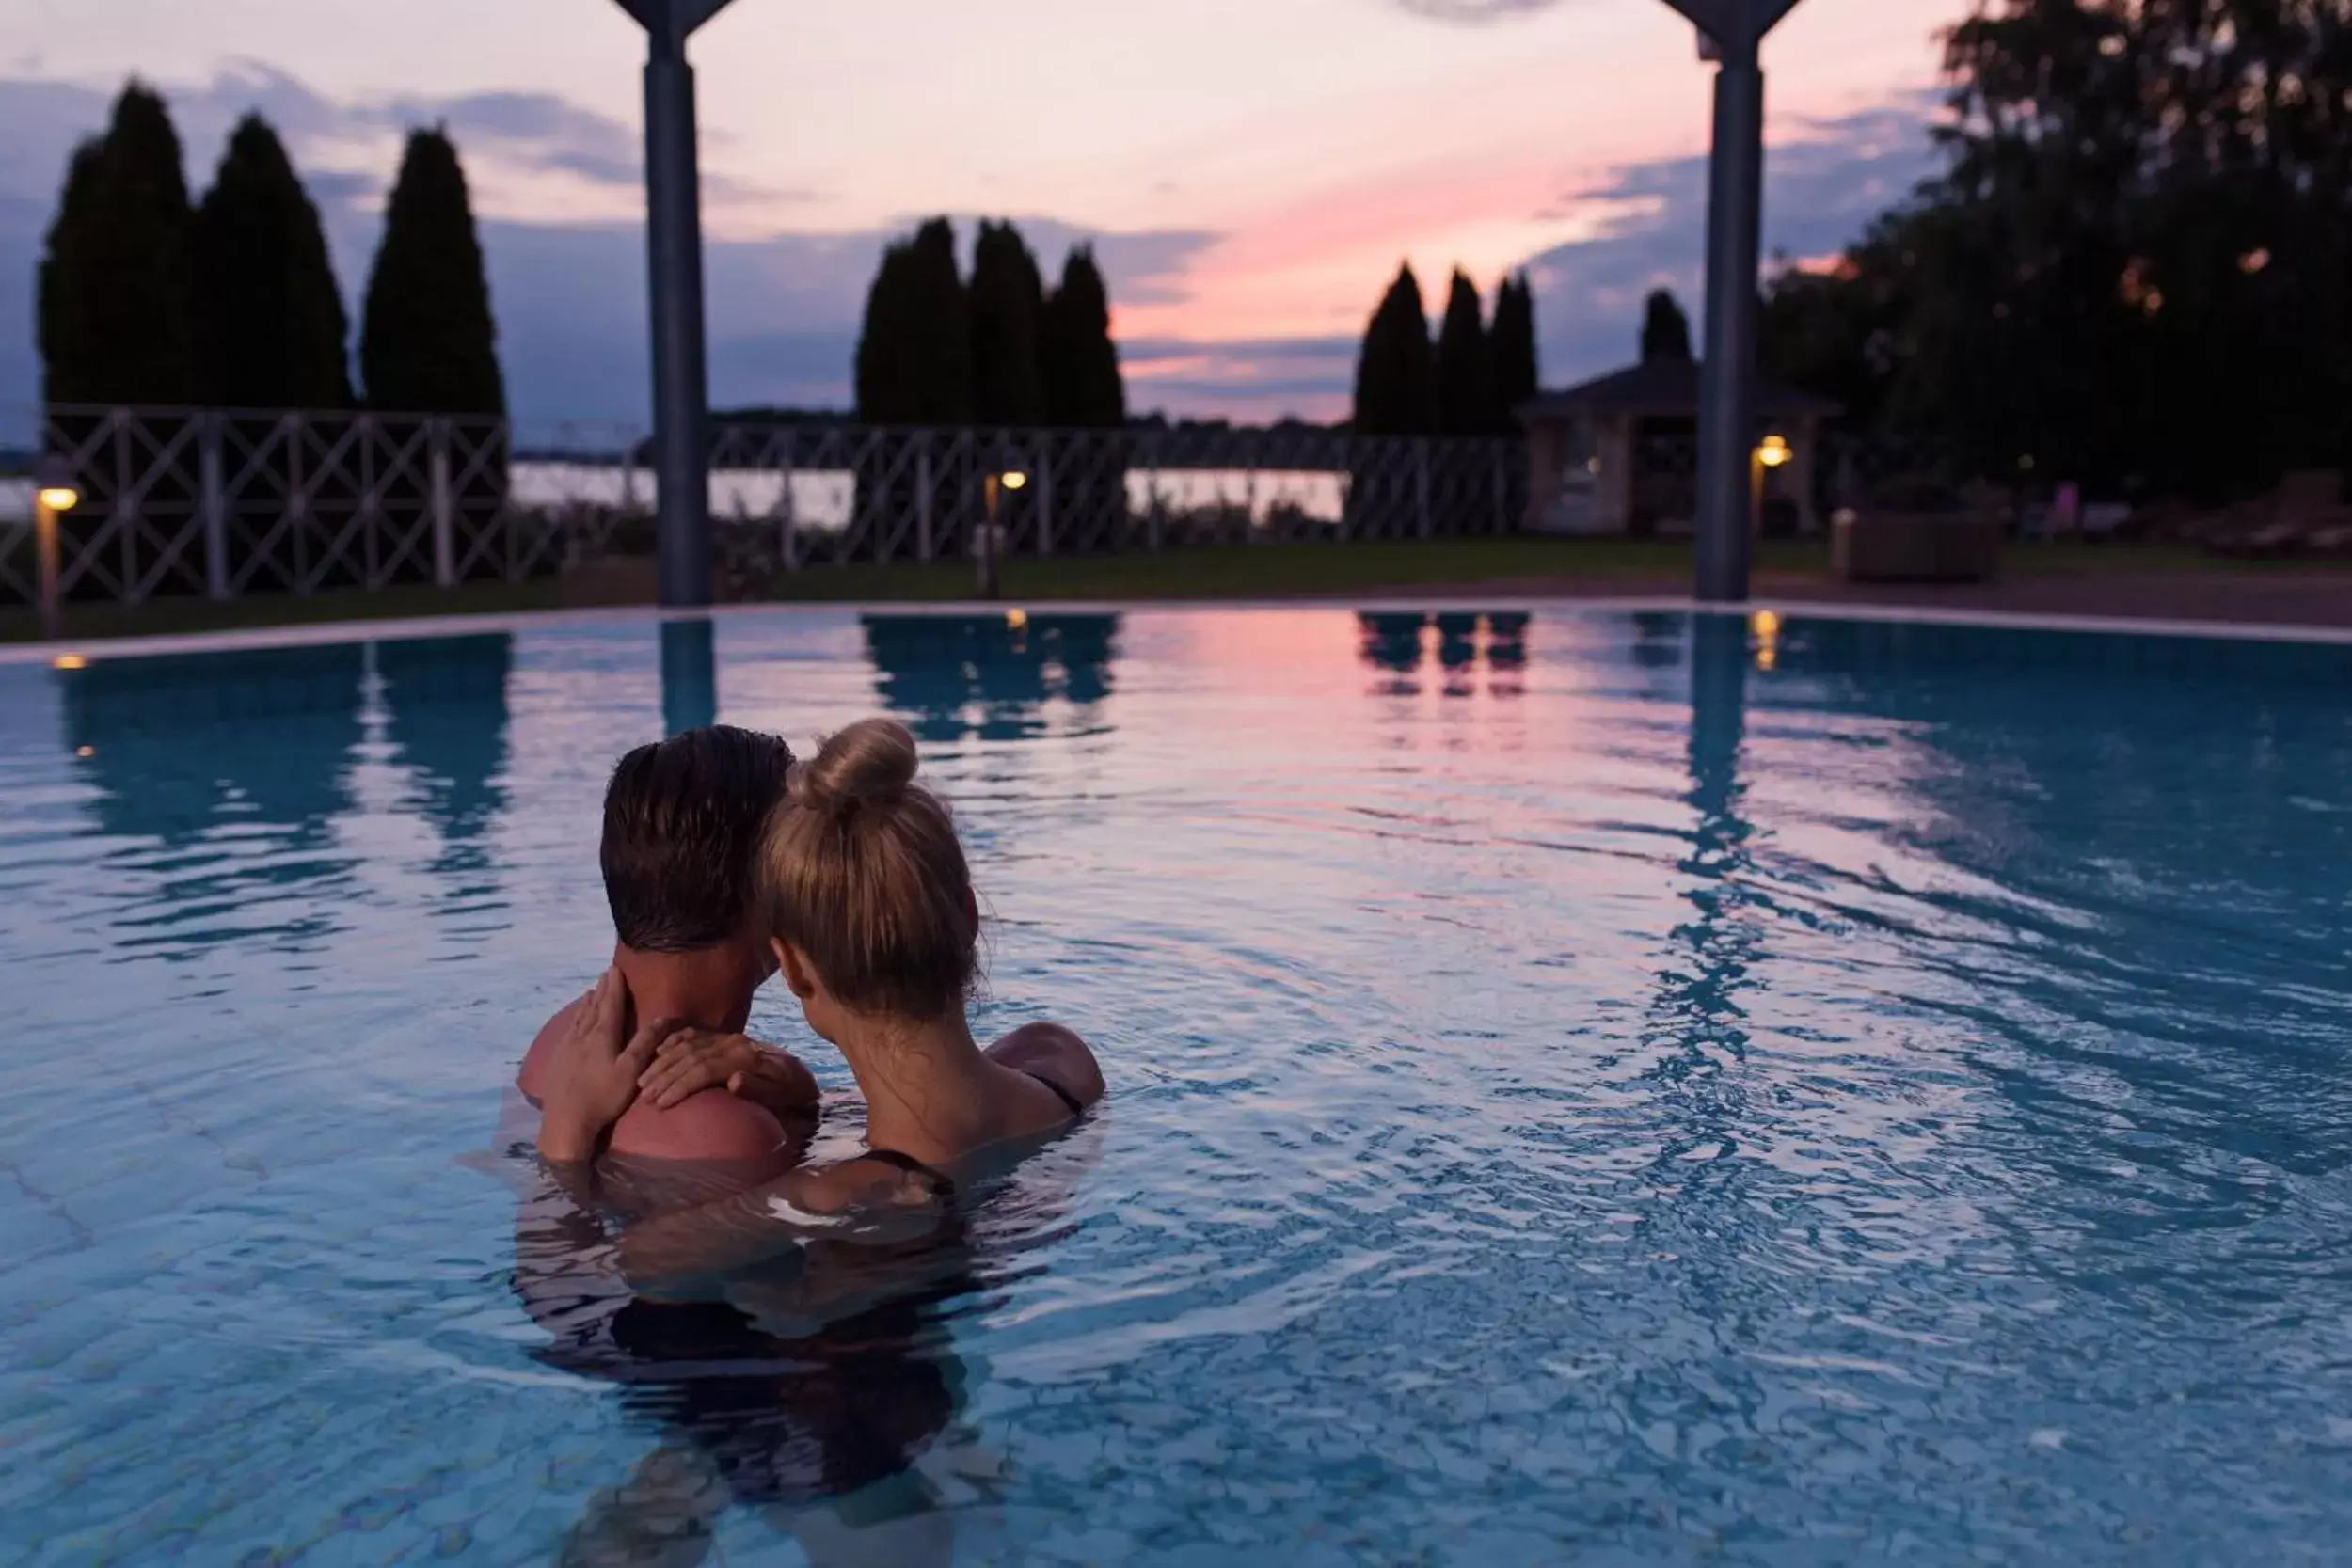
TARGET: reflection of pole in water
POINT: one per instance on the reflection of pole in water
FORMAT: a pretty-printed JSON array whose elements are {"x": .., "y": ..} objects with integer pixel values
[
  {"x": 1719, "y": 946},
  {"x": 689, "y": 676},
  {"x": 1719, "y": 697}
]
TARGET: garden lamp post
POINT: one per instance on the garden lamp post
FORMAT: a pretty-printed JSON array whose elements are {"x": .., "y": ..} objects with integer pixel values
[
  {"x": 1731, "y": 32},
  {"x": 673, "y": 271},
  {"x": 53, "y": 495},
  {"x": 991, "y": 488},
  {"x": 1771, "y": 452}
]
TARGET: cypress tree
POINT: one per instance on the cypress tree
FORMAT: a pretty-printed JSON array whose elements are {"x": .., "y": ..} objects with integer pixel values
[
  {"x": 937, "y": 328},
  {"x": 1462, "y": 377},
  {"x": 1511, "y": 351},
  {"x": 913, "y": 368},
  {"x": 1008, "y": 299},
  {"x": 884, "y": 371},
  {"x": 62, "y": 325},
  {"x": 270, "y": 330},
  {"x": 115, "y": 315},
  {"x": 1665, "y": 330},
  {"x": 428, "y": 343},
  {"x": 1394, "y": 373},
  {"x": 1084, "y": 389}
]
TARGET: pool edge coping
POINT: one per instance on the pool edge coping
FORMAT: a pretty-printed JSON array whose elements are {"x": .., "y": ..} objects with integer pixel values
[{"x": 417, "y": 628}]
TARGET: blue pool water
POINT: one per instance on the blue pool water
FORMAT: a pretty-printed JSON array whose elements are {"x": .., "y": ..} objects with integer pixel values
[{"x": 1584, "y": 1087}]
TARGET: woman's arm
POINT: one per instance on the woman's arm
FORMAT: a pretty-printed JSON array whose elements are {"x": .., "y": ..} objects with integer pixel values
[{"x": 854, "y": 1203}]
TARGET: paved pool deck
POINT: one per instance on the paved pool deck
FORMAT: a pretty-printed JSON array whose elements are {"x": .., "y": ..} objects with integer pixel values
[
  {"x": 2270, "y": 604},
  {"x": 2282, "y": 598}
]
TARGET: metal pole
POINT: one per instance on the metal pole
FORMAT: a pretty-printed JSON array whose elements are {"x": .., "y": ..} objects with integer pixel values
[
  {"x": 1420, "y": 486},
  {"x": 989, "y": 488},
  {"x": 923, "y": 550},
  {"x": 1727, "y": 387},
  {"x": 213, "y": 500},
  {"x": 675, "y": 275},
  {"x": 444, "y": 508},
  {"x": 673, "y": 278},
  {"x": 45, "y": 556}
]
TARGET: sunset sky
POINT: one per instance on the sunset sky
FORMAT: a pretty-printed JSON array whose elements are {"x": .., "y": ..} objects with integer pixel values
[{"x": 1252, "y": 170}]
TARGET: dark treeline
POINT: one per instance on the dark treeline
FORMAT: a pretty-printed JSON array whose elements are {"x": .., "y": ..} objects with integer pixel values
[
  {"x": 999, "y": 350},
  {"x": 1467, "y": 382},
  {"x": 1665, "y": 330},
  {"x": 2135, "y": 269},
  {"x": 148, "y": 298}
]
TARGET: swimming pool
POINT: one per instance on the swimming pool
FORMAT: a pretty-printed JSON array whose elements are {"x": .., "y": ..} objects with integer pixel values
[{"x": 1585, "y": 1086}]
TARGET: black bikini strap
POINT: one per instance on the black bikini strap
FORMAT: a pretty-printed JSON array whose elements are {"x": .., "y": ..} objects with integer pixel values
[
  {"x": 912, "y": 1166},
  {"x": 1063, "y": 1095}
]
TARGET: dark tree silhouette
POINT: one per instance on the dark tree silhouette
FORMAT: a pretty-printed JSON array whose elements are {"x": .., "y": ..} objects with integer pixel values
[
  {"x": 1084, "y": 389},
  {"x": 1395, "y": 372},
  {"x": 1511, "y": 353},
  {"x": 2135, "y": 269},
  {"x": 1665, "y": 330},
  {"x": 1464, "y": 373},
  {"x": 115, "y": 311},
  {"x": 915, "y": 352},
  {"x": 884, "y": 369},
  {"x": 1008, "y": 302},
  {"x": 270, "y": 326},
  {"x": 429, "y": 344}
]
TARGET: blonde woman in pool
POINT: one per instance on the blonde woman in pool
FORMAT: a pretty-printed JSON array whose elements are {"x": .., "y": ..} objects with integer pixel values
[{"x": 873, "y": 923}]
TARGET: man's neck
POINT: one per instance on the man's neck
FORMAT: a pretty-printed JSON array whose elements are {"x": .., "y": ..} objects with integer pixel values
[{"x": 709, "y": 988}]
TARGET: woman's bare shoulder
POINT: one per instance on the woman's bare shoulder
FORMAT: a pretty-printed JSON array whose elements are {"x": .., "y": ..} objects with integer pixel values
[{"x": 1054, "y": 1052}]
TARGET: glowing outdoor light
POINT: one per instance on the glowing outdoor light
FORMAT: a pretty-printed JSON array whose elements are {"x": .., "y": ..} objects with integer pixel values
[
  {"x": 1765, "y": 624},
  {"x": 68, "y": 661},
  {"x": 54, "y": 492},
  {"x": 1016, "y": 619},
  {"x": 1770, "y": 453},
  {"x": 85, "y": 751},
  {"x": 997, "y": 481}
]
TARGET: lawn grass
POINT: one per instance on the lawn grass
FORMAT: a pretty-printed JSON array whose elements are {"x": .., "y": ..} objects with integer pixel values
[
  {"x": 1222, "y": 572},
  {"x": 94, "y": 623},
  {"x": 1280, "y": 571}
]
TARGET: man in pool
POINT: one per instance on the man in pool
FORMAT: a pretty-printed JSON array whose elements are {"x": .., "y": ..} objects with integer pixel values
[{"x": 682, "y": 821}]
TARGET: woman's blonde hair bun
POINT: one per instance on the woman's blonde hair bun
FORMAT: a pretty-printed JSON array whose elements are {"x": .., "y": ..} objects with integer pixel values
[{"x": 871, "y": 762}]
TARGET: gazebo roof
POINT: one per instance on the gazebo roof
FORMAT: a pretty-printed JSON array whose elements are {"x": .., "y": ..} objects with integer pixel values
[{"x": 1664, "y": 387}]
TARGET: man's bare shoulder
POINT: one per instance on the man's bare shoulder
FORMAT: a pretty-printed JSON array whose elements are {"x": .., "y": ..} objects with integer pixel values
[
  {"x": 531, "y": 1076},
  {"x": 713, "y": 1125}
]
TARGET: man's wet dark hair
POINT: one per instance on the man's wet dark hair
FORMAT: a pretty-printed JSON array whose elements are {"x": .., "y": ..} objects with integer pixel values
[{"x": 682, "y": 821}]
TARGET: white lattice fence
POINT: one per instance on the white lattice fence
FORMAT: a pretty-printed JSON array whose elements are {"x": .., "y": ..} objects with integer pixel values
[
  {"x": 228, "y": 502},
  {"x": 919, "y": 495},
  {"x": 231, "y": 502}
]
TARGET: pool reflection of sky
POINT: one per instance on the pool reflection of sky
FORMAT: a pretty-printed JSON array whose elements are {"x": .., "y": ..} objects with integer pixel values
[{"x": 1897, "y": 1040}]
